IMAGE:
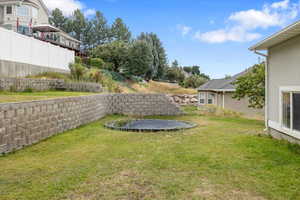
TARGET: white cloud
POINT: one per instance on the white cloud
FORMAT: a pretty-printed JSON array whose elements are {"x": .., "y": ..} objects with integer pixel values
[
  {"x": 243, "y": 25},
  {"x": 184, "y": 29},
  {"x": 67, "y": 6},
  {"x": 281, "y": 4},
  {"x": 235, "y": 34},
  {"x": 89, "y": 12}
]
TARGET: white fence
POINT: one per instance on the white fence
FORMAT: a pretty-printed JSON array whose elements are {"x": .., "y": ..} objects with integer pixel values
[{"x": 20, "y": 48}]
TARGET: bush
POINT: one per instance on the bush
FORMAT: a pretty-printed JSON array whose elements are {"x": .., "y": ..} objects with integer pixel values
[
  {"x": 78, "y": 60},
  {"x": 97, "y": 63},
  {"x": 217, "y": 111},
  {"x": 50, "y": 75},
  {"x": 106, "y": 80},
  {"x": 77, "y": 71},
  {"x": 194, "y": 81}
]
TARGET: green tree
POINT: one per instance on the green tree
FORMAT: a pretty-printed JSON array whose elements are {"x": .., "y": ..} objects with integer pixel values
[
  {"x": 120, "y": 31},
  {"x": 139, "y": 59},
  {"x": 88, "y": 36},
  {"x": 159, "y": 57},
  {"x": 100, "y": 31},
  {"x": 58, "y": 20},
  {"x": 194, "y": 81},
  {"x": 187, "y": 70},
  {"x": 175, "y": 74},
  {"x": 78, "y": 24},
  {"x": 195, "y": 70},
  {"x": 252, "y": 86},
  {"x": 115, "y": 53},
  {"x": 175, "y": 64}
]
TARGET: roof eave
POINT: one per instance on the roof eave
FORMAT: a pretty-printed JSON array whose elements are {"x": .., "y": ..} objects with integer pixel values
[{"x": 285, "y": 34}]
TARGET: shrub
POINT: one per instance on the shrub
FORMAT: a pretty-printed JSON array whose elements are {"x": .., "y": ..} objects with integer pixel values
[
  {"x": 78, "y": 60},
  {"x": 50, "y": 75},
  {"x": 217, "y": 111},
  {"x": 97, "y": 63},
  {"x": 194, "y": 81},
  {"x": 105, "y": 80},
  {"x": 77, "y": 71}
]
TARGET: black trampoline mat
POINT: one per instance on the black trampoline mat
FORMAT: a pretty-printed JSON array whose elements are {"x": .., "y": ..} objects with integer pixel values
[{"x": 150, "y": 125}]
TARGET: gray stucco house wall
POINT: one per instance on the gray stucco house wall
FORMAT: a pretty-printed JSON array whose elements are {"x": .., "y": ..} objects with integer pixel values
[{"x": 282, "y": 82}]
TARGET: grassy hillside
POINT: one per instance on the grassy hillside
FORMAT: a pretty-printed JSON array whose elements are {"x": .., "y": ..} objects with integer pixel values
[
  {"x": 126, "y": 86},
  {"x": 155, "y": 87}
]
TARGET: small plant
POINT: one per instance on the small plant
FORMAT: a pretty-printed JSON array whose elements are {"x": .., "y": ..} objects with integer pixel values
[
  {"x": 216, "y": 111},
  {"x": 50, "y": 75},
  {"x": 77, "y": 71},
  {"x": 78, "y": 60},
  {"x": 97, "y": 63},
  {"x": 29, "y": 90}
]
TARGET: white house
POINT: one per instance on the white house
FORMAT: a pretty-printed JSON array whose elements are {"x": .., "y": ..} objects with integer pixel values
[
  {"x": 31, "y": 17},
  {"x": 282, "y": 114},
  {"x": 29, "y": 44}
]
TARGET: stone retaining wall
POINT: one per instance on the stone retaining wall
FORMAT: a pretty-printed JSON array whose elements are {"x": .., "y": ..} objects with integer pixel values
[
  {"x": 26, "y": 123},
  {"x": 22, "y": 84}
]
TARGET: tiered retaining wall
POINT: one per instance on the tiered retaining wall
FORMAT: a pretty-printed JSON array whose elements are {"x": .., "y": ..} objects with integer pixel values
[
  {"x": 142, "y": 104},
  {"x": 26, "y": 123},
  {"x": 22, "y": 84}
]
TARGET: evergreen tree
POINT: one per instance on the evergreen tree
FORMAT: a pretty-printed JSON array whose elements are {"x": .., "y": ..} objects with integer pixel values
[
  {"x": 120, "y": 31},
  {"x": 159, "y": 58},
  {"x": 175, "y": 64},
  {"x": 100, "y": 30},
  {"x": 88, "y": 36},
  {"x": 78, "y": 23},
  {"x": 139, "y": 59},
  {"x": 58, "y": 20}
]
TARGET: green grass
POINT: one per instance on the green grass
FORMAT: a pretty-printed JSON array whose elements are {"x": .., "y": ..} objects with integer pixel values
[
  {"x": 223, "y": 158},
  {"x": 30, "y": 96}
]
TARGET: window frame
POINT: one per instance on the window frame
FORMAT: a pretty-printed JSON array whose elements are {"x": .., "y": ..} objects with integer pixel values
[
  {"x": 34, "y": 12},
  {"x": 28, "y": 8},
  {"x": 11, "y": 10},
  {"x": 212, "y": 95},
  {"x": 291, "y": 90},
  {"x": 202, "y": 98}
]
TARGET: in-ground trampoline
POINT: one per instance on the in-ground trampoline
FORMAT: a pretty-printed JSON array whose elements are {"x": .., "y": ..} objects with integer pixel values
[{"x": 149, "y": 125}]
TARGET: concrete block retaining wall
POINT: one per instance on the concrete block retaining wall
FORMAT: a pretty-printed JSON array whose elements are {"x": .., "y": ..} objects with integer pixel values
[
  {"x": 142, "y": 105},
  {"x": 26, "y": 123},
  {"x": 21, "y": 84}
]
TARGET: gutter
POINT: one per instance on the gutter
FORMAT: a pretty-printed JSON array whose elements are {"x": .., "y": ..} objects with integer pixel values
[{"x": 266, "y": 88}]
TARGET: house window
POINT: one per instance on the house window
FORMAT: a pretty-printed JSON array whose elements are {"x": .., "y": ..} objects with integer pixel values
[
  {"x": 202, "y": 98},
  {"x": 23, "y": 11},
  {"x": 8, "y": 10},
  {"x": 291, "y": 111},
  {"x": 210, "y": 99},
  {"x": 34, "y": 12}
]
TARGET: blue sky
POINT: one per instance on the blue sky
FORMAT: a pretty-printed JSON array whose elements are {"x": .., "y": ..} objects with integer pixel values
[{"x": 215, "y": 34}]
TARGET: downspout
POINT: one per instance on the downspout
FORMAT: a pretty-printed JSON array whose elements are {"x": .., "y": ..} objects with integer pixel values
[{"x": 266, "y": 88}]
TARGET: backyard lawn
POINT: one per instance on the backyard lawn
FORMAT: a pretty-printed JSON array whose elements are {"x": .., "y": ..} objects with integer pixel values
[
  {"x": 30, "y": 96},
  {"x": 223, "y": 158}
]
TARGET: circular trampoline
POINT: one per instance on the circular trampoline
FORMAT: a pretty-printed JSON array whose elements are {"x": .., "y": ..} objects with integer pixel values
[{"x": 149, "y": 125}]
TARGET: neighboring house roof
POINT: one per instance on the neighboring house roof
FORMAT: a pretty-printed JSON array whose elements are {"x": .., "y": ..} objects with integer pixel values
[
  {"x": 279, "y": 37},
  {"x": 219, "y": 85}
]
